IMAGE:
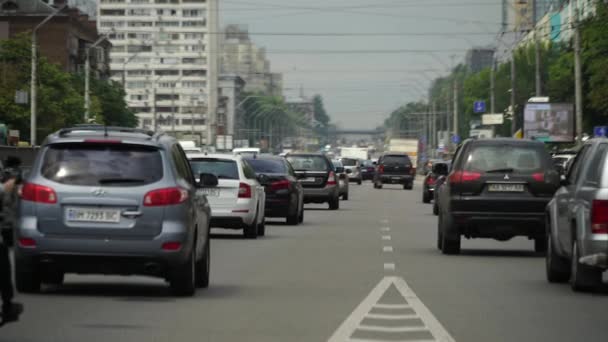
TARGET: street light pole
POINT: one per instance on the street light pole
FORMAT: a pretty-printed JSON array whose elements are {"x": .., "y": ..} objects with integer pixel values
[{"x": 34, "y": 71}]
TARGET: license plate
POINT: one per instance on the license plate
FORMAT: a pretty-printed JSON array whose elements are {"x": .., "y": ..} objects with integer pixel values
[
  {"x": 93, "y": 215},
  {"x": 211, "y": 192},
  {"x": 396, "y": 178},
  {"x": 506, "y": 187},
  {"x": 309, "y": 180}
]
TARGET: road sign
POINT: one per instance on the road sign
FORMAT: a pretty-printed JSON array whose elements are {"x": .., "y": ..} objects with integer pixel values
[
  {"x": 455, "y": 139},
  {"x": 492, "y": 119},
  {"x": 479, "y": 107},
  {"x": 600, "y": 131}
]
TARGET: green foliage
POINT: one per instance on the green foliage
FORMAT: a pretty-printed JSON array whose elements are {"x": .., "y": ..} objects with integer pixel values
[{"x": 320, "y": 112}]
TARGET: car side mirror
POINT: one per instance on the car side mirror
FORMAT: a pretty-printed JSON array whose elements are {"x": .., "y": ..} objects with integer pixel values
[
  {"x": 349, "y": 171},
  {"x": 207, "y": 180},
  {"x": 339, "y": 169},
  {"x": 440, "y": 169}
]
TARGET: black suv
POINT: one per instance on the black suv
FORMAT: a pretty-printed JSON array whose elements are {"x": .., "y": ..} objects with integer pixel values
[
  {"x": 496, "y": 189},
  {"x": 318, "y": 177},
  {"x": 394, "y": 168}
]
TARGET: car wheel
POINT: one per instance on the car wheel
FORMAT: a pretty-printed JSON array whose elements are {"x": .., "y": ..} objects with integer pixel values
[
  {"x": 52, "y": 277},
  {"x": 301, "y": 217},
  {"x": 408, "y": 186},
  {"x": 293, "y": 219},
  {"x": 27, "y": 278},
  {"x": 203, "y": 267},
  {"x": 8, "y": 237},
  {"x": 426, "y": 197},
  {"x": 359, "y": 182},
  {"x": 540, "y": 245},
  {"x": 435, "y": 209},
  {"x": 439, "y": 235},
  {"x": 183, "y": 278},
  {"x": 345, "y": 196},
  {"x": 583, "y": 278},
  {"x": 450, "y": 241},
  {"x": 558, "y": 270},
  {"x": 334, "y": 203},
  {"x": 251, "y": 231},
  {"x": 262, "y": 228}
]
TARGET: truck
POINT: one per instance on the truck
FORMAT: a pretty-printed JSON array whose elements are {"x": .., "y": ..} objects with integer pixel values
[
  {"x": 407, "y": 146},
  {"x": 354, "y": 153}
]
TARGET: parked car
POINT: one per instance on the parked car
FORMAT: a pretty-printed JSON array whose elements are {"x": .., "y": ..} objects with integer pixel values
[
  {"x": 428, "y": 185},
  {"x": 343, "y": 181},
  {"x": 354, "y": 166},
  {"x": 238, "y": 201},
  {"x": 395, "y": 168},
  {"x": 318, "y": 177},
  {"x": 497, "y": 188},
  {"x": 284, "y": 193},
  {"x": 368, "y": 170},
  {"x": 106, "y": 200},
  {"x": 577, "y": 221}
]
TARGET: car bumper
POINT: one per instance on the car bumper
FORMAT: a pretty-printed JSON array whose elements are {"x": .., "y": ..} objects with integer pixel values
[
  {"x": 594, "y": 251},
  {"x": 243, "y": 211},
  {"x": 277, "y": 207},
  {"x": 396, "y": 179},
  {"x": 321, "y": 195},
  {"x": 500, "y": 225}
]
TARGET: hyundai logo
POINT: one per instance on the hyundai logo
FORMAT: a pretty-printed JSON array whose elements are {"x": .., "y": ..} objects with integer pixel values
[{"x": 98, "y": 192}]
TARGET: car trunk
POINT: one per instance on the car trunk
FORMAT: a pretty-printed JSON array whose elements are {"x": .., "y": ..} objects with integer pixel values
[
  {"x": 396, "y": 165},
  {"x": 313, "y": 179},
  {"x": 224, "y": 195}
]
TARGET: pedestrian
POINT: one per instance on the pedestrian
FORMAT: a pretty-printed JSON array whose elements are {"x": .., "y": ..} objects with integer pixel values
[{"x": 10, "y": 310}]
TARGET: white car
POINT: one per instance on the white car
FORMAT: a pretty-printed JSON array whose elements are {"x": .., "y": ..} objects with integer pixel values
[{"x": 238, "y": 201}]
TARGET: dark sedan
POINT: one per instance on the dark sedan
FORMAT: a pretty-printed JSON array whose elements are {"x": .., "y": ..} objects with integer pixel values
[
  {"x": 284, "y": 193},
  {"x": 368, "y": 170}
]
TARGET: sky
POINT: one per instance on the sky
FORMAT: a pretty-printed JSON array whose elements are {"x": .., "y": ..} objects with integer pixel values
[{"x": 413, "y": 42}]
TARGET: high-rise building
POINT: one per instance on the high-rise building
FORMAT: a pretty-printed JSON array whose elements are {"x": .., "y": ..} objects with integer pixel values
[
  {"x": 240, "y": 56},
  {"x": 166, "y": 58},
  {"x": 478, "y": 59}
]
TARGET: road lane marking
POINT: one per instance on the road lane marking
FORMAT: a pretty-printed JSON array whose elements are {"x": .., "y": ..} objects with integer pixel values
[
  {"x": 389, "y": 267},
  {"x": 391, "y": 293},
  {"x": 385, "y": 229},
  {"x": 384, "y": 221},
  {"x": 387, "y": 249},
  {"x": 386, "y": 237}
]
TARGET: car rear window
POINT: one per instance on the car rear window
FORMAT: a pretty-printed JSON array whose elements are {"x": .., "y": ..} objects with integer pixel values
[
  {"x": 267, "y": 165},
  {"x": 107, "y": 165},
  {"x": 523, "y": 159},
  {"x": 337, "y": 163},
  {"x": 308, "y": 163},
  {"x": 396, "y": 160},
  {"x": 349, "y": 162},
  {"x": 221, "y": 168}
]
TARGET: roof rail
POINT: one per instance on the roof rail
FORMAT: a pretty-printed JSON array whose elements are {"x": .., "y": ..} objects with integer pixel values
[{"x": 92, "y": 127}]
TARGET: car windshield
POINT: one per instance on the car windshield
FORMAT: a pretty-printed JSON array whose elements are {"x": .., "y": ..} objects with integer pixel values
[
  {"x": 221, "y": 168},
  {"x": 100, "y": 164},
  {"x": 267, "y": 165},
  {"x": 396, "y": 160},
  {"x": 308, "y": 163},
  {"x": 505, "y": 158},
  {"x": 349, "y": 162}
]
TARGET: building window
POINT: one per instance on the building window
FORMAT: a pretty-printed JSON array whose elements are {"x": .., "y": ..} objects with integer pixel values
[
  {"x": 167, "y": 85},
  {"x": 193, "y": 23},
  {"x": 140, "y": 24},
  {"x": 116, "y": 36},
  {"x": 140, "y": 11},
  {"x": 141, "y": 109},
  {"x": 166, "y": 11},
  {"x": 194, "y": 60},
  {"x": 112, "y": 1},
  {"x": 140, "y": 1},
  {"x": 118, "y": 48},
  {"x": 139, "y": 48},
  {"x": 194, "y": 48},
  {"x": 142, "y": 36},
  {"x": 167, "y": 97},
  {"x": 139, "y": 72},
  {"x": 198, "y": 72},
  {"x": 194, "y": 1},
  {"x": 118, "y": 12},
  {"x": 170, "y": 61},
  {"x": 194, "y": 36},
  {"x": 112, "y": 24},
  {"x": 166, "y": 72},
  {"x": 167, "y": 48},
  {"x": 194, "y": 84},
  {"x": 167, "y": 24},
  {"x": 192, "y": 13},
  {"x": 138, "y": 97},
  {"x": 168, "y": 36},
  {"x": 140, "y": 60},
  {"x": 117, "y": 60},
  {"x": 137, "y": 84}
]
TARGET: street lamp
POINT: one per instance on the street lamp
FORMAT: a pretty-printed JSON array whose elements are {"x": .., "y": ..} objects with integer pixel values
[
  {"x": 33, "y": 77},
  {"x": 87, "y": 67}
]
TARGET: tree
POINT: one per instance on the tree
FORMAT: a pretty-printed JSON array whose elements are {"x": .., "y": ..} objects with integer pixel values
[{"x": 319, "y": 108}]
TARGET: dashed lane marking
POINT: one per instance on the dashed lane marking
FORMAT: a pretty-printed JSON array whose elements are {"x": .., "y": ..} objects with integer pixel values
[
  {"x": 387, "y": 249},
  {"x": 393, "y": 297},
  {"x": 389, "y": 267},
  {"x": 385, "y": 229},
  {"x": 386, "y": 237}
]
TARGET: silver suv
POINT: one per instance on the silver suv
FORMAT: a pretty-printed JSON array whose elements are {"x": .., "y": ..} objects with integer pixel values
[
  {"x": 111, "y": 200},
  {"x": 577, "y": 221}
]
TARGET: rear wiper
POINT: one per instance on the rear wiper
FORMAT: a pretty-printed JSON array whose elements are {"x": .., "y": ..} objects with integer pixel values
[
  {"x": 506, "y": 169},
  {"x": 121, "y": 180}
]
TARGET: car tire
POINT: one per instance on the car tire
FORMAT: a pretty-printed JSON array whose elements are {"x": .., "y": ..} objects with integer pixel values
[
  {"x": 27, "y": 278},
  {"x": 426, "y": 197},
  {"x": 293, "y": 219},
  {"x": 334, "y": 203},
  {"x": 262, "y": 228},
  {"x": 540, "y": 245},
  {"x": 203, "y": 267},
  {"x": 183, "y": 279},
  {"x": 408, "y": 186},
  {"x": 301, "y": 216},
  {"x": 583, "y": 278},
  {"x": 53, "y": 277},
  {"x": 359, "y": 182},
  {"x": 435, "y": 209},
  {"x": 345, "y": 197},
  {"x": 251, "y": 231},
  {"x": 557, "y": 267},
  {"x": 8, "y": 237},
  {"x": 450, "y": 244},
  {"x": 439, "y": 237}
]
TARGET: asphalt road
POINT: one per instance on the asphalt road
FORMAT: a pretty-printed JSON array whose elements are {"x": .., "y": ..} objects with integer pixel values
[{"x": 369, "y": 272}]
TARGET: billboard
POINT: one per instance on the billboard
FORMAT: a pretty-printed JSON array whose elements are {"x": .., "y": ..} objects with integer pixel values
[{"x": 549, "y": 122}]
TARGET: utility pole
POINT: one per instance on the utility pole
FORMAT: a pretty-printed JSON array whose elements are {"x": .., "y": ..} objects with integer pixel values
[
  {"x": 536, "y": 50},
  {"x": 493, "y": 85},
  {"x": 513, "y": 85},
  {"x": 455, "y": 107},
  {"x": 434, "y": 127},
  {"x": 578, "y": 82}
]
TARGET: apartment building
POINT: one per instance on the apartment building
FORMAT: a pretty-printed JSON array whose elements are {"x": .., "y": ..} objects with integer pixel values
[{"x": 165, "y": 53}]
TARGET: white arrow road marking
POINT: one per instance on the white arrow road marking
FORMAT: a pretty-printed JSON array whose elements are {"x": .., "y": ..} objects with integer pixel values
[{"x": 390, "y": 323}]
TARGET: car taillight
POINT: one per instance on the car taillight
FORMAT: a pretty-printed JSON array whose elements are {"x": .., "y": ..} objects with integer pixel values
[
  {"x": 38, "y": 193},
  {"x": 27, "y": 242},
  {"x": 381, "y": 169},
  {"x": 172, "y": 246},
  {"x": 539, "y": 177},
  {"x": 464, "y": 176},
  {"x": 244, "y": 190},
  {"x": 168, "y": 196},
  {"x": 279, "y": 185},
  {"x": 430, "y": 181},
  {"x": 599, "y": 217},
  {"x": 331, "y": 180}
]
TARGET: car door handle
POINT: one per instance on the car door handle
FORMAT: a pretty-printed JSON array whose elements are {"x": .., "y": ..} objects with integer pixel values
[{"x": 131, "y": 213}]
